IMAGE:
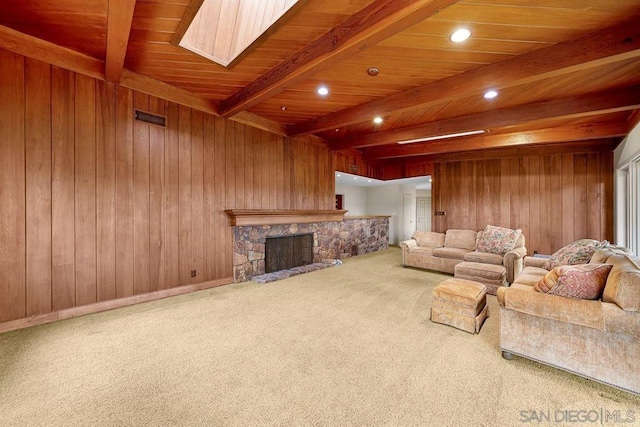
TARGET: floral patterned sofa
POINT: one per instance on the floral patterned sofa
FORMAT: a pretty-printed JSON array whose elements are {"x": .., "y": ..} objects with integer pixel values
[
  {"x": 443, "y": 251},
  {"x": 578, "y": 311}
]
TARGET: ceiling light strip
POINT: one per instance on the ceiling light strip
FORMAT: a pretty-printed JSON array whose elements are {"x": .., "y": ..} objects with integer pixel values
[{"x": 450, "y": 135}]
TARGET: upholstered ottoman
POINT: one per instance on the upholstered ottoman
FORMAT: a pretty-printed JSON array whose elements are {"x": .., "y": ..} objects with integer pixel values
[
  {"x": 460, "y": 303},
  {"x": 493, "y": 276}
]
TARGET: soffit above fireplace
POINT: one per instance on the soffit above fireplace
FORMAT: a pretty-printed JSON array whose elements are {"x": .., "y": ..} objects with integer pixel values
[{"x": 240, "y": 217}]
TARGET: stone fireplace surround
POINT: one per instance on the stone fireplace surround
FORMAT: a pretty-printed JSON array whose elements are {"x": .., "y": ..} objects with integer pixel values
[{"x": 332, "y": 239}]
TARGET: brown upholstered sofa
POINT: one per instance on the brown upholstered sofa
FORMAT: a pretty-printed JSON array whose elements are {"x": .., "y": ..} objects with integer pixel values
[
  {"x": 598, "y": 339},
  {"x": 443, "y": 251}
]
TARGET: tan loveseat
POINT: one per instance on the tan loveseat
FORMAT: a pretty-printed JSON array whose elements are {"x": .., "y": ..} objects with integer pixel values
[
  {"x": 598, "y": 339},
  {"x": 443, "y": 251}
]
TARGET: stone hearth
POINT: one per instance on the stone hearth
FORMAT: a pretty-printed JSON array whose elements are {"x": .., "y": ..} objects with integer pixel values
[{"x": 331, "y": 240}]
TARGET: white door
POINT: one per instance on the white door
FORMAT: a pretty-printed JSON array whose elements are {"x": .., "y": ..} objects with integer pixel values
[
  {"x": 423, "y": 217},
  {"x": 409, "y": 214}
]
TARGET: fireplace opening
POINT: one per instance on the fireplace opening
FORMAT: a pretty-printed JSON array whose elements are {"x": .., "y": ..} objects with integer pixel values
[{"x": 283, "y": 253}]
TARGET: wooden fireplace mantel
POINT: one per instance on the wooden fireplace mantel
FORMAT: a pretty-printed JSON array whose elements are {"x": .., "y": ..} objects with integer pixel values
[{"x": 239, "y": 217}]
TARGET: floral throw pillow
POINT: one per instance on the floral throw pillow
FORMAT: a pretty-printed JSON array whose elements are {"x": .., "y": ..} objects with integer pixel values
[
  {"x": 498, "y": 240},
  {"x": 583, "y": 281},
  {"x": 578, "y": 252}
]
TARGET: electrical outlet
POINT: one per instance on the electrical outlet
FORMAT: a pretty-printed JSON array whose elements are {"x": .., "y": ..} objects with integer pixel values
[
  {"x": 439, "y": 213},
  {"x": 193, "y": 273}
]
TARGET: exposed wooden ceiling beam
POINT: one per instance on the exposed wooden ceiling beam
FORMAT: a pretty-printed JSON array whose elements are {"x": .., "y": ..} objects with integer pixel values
[
  {"x": 571, "y": 107},
  {"x": 612, "y": 44},
  {"x": 483, "y": 142},
  {"x": 166, "y": 91},
  {"x": 119, "y": 19},
  {"x": 42, "y": 50},
  {"x": 374, "y": 23}
]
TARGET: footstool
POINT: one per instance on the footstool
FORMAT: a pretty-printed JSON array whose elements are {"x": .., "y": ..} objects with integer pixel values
[
  {"x": 493, "y": 276},
  {"x": 460, "y": 303}
]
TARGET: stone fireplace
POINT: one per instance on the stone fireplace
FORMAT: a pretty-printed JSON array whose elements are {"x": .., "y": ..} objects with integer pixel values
[{"x": 332, "y": 236}]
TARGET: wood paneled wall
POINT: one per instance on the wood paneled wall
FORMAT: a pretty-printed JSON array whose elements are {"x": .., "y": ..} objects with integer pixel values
[
  {"x": 554, "y": 199},
  {"x": 96, "y": 205}
]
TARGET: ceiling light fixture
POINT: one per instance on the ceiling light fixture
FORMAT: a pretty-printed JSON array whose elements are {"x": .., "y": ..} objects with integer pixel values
[
  {"x": 373, "y": 71},
  {"x": 490, "y": 94},
  {"x": 449, "y": 135},
  {"x": 323, "y": 91},
  {"x": 377, "y": 120},
  {"x": 460, "y": 35}
]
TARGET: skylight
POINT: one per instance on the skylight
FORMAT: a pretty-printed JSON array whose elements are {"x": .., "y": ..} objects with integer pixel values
[{"x": 223, "y": 29}]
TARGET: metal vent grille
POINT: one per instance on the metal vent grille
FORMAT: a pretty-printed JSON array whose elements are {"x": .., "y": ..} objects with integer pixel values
[{"x": 150, "y": 118}]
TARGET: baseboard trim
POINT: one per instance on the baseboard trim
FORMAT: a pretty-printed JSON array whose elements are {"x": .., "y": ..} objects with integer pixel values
[{"x": 98, "y": 307}]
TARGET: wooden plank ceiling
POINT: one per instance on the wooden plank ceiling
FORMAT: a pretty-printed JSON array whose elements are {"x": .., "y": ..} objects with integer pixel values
[{"x": 565, "y": 70}]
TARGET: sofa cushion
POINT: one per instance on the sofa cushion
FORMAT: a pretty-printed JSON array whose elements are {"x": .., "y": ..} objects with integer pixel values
[
  {"x": 623, "y": 284},
  {"x": 584, "y": 281},
  {"x": 578, "y": 252},
  {"x": 484, "y": 257},
  {"x": 451, "y": 253},
  {"x": 461, "y": 239},
  {"x": 498, "y": 240},
  {"x": 428, "y": 238}
]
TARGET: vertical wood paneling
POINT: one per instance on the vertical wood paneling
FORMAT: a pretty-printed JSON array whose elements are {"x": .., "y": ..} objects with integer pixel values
[
  {"x": 97, "y": 205},
  {"x": 197, "y": 204},
  {"x": 141, "y": 141},
  {"x": 62, "y": 189},
  {"x": 580, "y": 196},
  {"x": 209, "y": 202},
  {"x": 545, "y": 201},
  {"x": 593, "y": 192},
  {"x": 264, "y": 182},
  {"x": 85, "y": 191},
  {"x": 185, "y": 193},
  {"x": 535, "y": 186},
  {"x": 554, "y": 199},
  {"x": 12, "y": 188},
  {"x": 556, "y": 229},
  {"x": 504, "y": 203},
  {"x": 237, "y": 130},
  {"x": 38, "y": 186},
  {"x": 172, "y": 196},
  {"x": 106, "y": 191},
  {"x": 223, "y": 261},
  {"x": 247, "y": 163},
  {"x": 124, "y": 193},
  {"x": 157, "y": 206}
]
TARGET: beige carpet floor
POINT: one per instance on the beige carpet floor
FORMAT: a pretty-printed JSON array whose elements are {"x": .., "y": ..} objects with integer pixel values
[{"x": 348, "y": 345}]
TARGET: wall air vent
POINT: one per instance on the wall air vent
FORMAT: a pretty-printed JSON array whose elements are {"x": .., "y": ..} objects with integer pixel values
[{"x": 150, "y": 118}]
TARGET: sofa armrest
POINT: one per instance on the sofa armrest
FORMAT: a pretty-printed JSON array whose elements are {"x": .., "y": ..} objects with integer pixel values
[
  {"x": 512, "y": 261},
  {"x": 580, "y": 312},
  {"x": 530, "y": 261},
  {"x": 407, "y": 244}
]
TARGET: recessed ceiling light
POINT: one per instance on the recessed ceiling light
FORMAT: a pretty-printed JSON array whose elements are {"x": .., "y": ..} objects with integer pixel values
[
  {"x": 460, "y": 35},
  {"x": 373, "y": 71},
  {"x": 355, "y": 177},
  {"x": 283, "y": 108},
  {"x": 369, "y": 180},
  {"x": 338, "y": 175},
  {"x": 377, "y": 120},
  {"x": 323, "y": 91},
  {"x": 490, "y": 94}
]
